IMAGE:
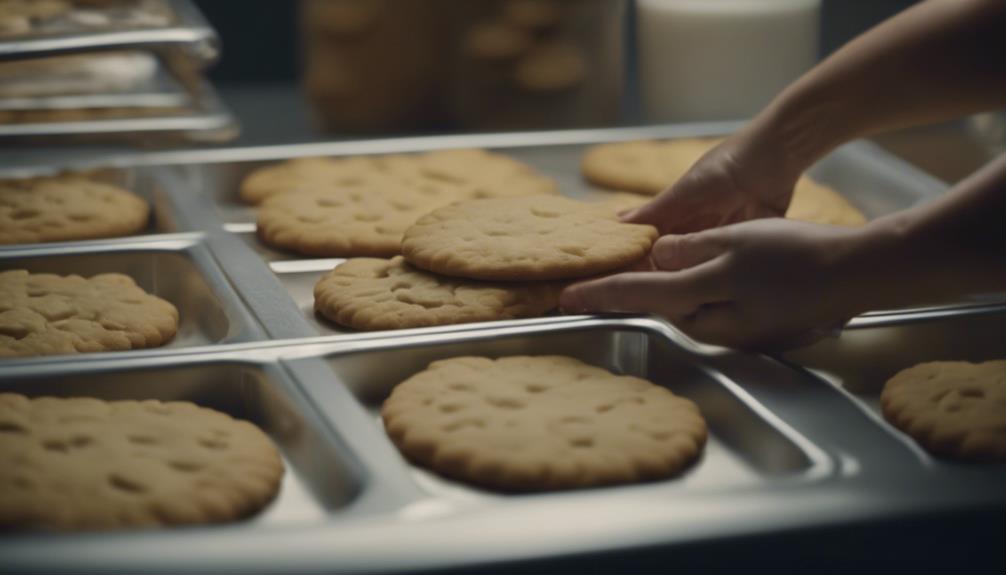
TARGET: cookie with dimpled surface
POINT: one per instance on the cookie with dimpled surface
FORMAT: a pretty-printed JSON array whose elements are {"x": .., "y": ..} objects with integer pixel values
[
  {"x": 540, "y": 423},
  {"x": 954, "y": 409},
  {"x": 48, "y": 314},
  {"x": 69, "y": 464},
  {"x": 375, "y": 294},
  {"x": 527, "y": 238},
  {"x": 67, "y": 208}
]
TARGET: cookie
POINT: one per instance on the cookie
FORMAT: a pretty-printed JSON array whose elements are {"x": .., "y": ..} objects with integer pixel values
[
  {"x": 551, "y": 67},
  {"x": 537, "y": 423},
  {"x": 67, "y": 208},
  {"x": 47, "y": 314},
  {"x": 16, "y": 16},
  {"x": 642, "y": 166},
  {"x": 954, "y": 409},
  {"x": 526, "y": 238},
  {"x": 813, "y": 202},
  {"x": 532, "y": 14},
  {"x": 303, "y": 174},
  {"x": 376, "y": 294},
  {"x": 345, "y": 222},
  {"x": 496, "y": 41},
  {"x": 466, "y": 173},
  {"x": 342, "y": 19},
  {"x": 85, "y": 464}
]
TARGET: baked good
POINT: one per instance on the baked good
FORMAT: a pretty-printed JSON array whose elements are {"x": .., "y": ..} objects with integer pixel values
[
  {"x": 532, "y": 14},
  {"x": 496, "y": 41},
  {"x": 551, "y": 67},
  {"x": 526, "y": 238},
  {"x": 642, "y": 166},
  {"x": 954, "y": 409},
  {"x": 375, "y": 294},
  {"x": 66, "y": 208},
  {"x": 465, "y": 173},
  {"x": 82, "y": 463},
  {"x": 48, "y": 314},
  {"x": 535, "y": 423}
]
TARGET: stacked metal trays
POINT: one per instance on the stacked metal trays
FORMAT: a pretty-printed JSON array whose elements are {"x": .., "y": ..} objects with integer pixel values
[
  {"x": 796, "y": 443},
  {"x": 192, "y": 109}
]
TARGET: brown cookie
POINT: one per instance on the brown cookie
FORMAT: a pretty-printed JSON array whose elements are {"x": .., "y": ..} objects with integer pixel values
[
  {"x": 642, "y": 166},
  {"x": 954, "y": 409},
  {"x": 83, "y": 464},
  {"x": 541, "y": 423},
  {"x": 376, "y": 294},
  {"x": 66, "y": 208},
  {"x": 47, "y": 314},
  {"x": 527, "y": 238}
]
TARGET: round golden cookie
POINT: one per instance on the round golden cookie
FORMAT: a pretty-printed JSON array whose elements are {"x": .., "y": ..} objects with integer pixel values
[
  {"x": 532, "y": 14},
  {"x": 345, "y": 222},
  {"x": 84, "y": 464},
  {"x": 813, "y": 202},
  {"x": 467, "y": 173},
  {"x": 47, "y": 314},
  {"x": 340, "y": 19},
  {"x": 376, "y": 294},
  {"x": 953, "y": 409},
  {"x": 536, "y": 423},
  {"x": 67, "y": 208},
  {"x": 304, "y": 174},
  {"x": 527, "y": 238},
  {"x": 495, "y": 41},
  {"x": 642, "y": 166},
  {"x": 551, "y": 67}
]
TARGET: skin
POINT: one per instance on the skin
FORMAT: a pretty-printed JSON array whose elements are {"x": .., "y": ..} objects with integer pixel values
[{"x": 728, "y": 270}]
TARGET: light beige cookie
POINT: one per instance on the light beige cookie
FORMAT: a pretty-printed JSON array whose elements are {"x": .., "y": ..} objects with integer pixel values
[
  {"x": 83, "y": 464},
  {"x": 465, "y": 173},
  {"x": 47, "y": 314},
  {"x": 342, "y": 19},
  {"x": 526, "y": 238},
  {"x": 642, "y": 166},
  {"x": 532, "y": 14},
  {"x": 304, "y": 174},
  {"x": 551, "y": 67},
  {"x": 376, "y": 294},
  {"x": 954, "y": 409},
  {"x": 66, "y": 208},
  {"x": 535, "y": 423},
  {"x": 496, "y": 41},
  {"x": 813, "y": 202},
  {"x": 345, "y": 222}
]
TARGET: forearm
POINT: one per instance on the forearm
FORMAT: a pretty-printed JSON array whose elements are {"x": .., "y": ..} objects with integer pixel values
[
  {"x": 938, "y": 251},
  {"x": 939, "y": 60}
]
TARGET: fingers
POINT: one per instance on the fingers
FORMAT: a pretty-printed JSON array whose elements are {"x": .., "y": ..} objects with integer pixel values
[
  {"x": 673, "y": 253},
  {"x": 662, "y": 293}
]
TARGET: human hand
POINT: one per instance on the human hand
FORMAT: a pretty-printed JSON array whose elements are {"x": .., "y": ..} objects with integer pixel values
[
  {"x": 763, "y": 284},
  {"x": 743, "y": 178}
]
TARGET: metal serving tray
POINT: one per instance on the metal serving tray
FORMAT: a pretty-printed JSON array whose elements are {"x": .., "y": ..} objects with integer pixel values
[
  {"x": 794, "y": 463},
  {"x": 188, "y": 30},
  {"x": 207, "y": 121},
  {"x": 160, "y": 90},
  {"x": 787, "y": 454},
  {"x": 178, "y": 268},
  {"x": 876, "y": 182}
]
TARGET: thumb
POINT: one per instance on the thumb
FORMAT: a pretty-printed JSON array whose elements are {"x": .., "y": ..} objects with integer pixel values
[{"x": 663, "y": 293}]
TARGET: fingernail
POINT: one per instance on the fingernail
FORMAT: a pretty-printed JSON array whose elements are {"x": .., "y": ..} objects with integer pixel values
[{"x": 569, "y": 301}]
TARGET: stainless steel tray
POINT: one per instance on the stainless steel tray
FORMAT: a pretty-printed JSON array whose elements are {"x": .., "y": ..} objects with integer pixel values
[
  {"x": 873, "y": 180},
  {"x": 159, "y": 89},
  {"x": 786, "y": 453},
  {"x": 188, "y": 30},
  {"x": 208, "y": 120},
  {"x": 179, "y": 268},
  {"x": 792, "y": 451}
]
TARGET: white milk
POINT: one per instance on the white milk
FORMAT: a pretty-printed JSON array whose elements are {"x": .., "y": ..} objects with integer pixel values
[{"x": 706, "y": 60}]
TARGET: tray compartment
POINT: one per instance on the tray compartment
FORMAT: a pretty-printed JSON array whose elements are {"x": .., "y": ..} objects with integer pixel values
[
  {"x": 744, "y": 447},
  {"x": 863, "y": 358},
  {"x": 179, "y": 270},
  {"x": 320, "y": 478}
]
